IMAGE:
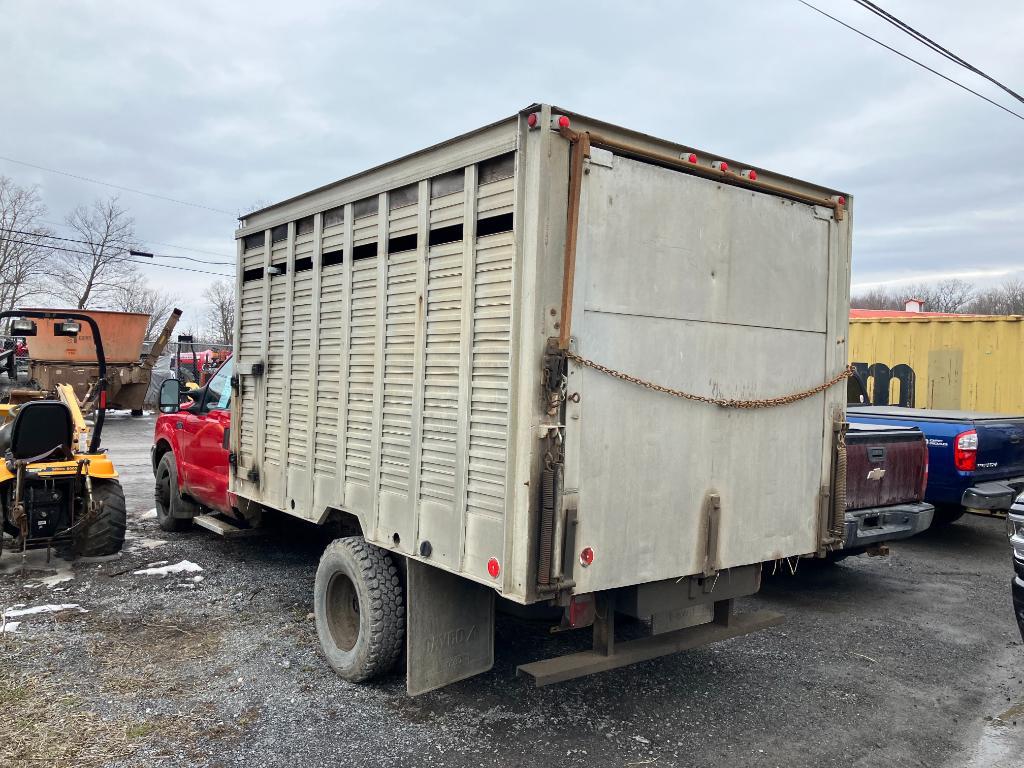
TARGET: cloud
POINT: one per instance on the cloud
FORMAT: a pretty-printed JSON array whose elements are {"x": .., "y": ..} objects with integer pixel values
[{"x": 228, "y": 103}]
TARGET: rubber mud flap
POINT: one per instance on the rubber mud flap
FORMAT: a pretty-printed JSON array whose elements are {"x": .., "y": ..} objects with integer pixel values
[{"x": 449, "y": 630}]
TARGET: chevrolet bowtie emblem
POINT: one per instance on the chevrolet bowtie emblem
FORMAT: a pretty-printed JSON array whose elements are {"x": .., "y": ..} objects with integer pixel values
[{"x": 876, "y": 474}]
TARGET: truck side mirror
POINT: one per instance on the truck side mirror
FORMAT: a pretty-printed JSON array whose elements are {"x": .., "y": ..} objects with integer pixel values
[{"x": 170, "y": 396}]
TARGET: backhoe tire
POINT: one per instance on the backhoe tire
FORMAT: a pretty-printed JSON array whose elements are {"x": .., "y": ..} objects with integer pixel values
[
  {"x": 359, "y": 606},
  {"x": 105, "y": 535},
  {"x": 946, "y": 514},
  {"x": 173, "y": 513}
]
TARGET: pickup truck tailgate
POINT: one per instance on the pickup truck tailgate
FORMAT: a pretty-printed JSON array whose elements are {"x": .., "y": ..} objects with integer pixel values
[
  {"x": 1000, "y": 447},
  {"x": 885, "y": 466}
]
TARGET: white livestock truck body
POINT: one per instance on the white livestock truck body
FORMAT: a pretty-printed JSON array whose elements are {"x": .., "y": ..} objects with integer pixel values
[{"x": 421, "y": 355}]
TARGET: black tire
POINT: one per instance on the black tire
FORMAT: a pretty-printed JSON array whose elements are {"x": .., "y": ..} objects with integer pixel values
[
  {"x": 359, "y": 606},
  {"x": 105, "y": 535},
  {"x": 946, "y": 514},
  {"x": 173, "y": 513}
]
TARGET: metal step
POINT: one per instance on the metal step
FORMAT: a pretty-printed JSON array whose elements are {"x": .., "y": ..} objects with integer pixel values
[{"x": 223, "y": 526}]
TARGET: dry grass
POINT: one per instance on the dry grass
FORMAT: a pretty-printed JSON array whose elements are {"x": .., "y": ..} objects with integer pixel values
[{"x": 40, "y": 726}]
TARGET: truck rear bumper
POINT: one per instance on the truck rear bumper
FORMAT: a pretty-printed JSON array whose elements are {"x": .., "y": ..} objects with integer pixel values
[
  {"x": 994, "y": 495},
  {"x": 864, "y": 527}
]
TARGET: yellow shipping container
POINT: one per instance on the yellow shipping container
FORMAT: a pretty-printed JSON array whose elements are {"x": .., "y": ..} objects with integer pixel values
[{"x": 968, "y": 362}]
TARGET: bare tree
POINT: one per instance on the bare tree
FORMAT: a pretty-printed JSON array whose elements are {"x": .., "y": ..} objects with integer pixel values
[
  {"x": 1006, "y": 299},
  {"x": 220, "y": 311},
  {"x": 92, "y": 272},
  {"x": 23, "y": 251},
  {"x": 875, "y": 298},
  {"x": 134, "y": 294},
  {"x": 952, "y": 296}
]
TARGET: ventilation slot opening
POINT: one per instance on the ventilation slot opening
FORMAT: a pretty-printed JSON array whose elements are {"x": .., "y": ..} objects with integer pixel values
[
  {"x": 301, "y": 265},
  {"x": 494, "y": 225},
  {"x": 364, "y": 251},
  {"x": 332, "y": 258},
  {"x": 402, "y": 243},
  {"x": 278, "y": 269},
  {"x": 256, "y": 273},
  {"x": 450, "y": 234}
]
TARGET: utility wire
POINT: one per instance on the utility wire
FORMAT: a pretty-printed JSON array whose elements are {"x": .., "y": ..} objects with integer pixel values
[
  {"x": 116, "y": 186},
  {"x": 167, "y": 245},
  {"x": 90, "y": 253},
  {"x": 101, "y": 245},
  {"x": 911, "y": 59},
  {"x": 920, "y": 37}
]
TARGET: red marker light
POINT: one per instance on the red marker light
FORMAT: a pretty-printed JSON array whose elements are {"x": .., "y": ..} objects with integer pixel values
[
  {"x": 563, "y": 121},
  {"x": 724, "y": 166},
  {"x": 103, "y": 399},
  {"x": 586, "y": 556},
  {"x": 493, "y": 567},
  {"x": 842, "y": 200},
  {"x": 720, "y": 165},
  {"x": 752, "y": 175},
  {"x": 531, "y": 119},
  {"x": 691, "y": 158}
]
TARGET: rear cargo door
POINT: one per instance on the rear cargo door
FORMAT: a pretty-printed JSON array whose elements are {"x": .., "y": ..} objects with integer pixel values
[
  {"x": 1000, "y": 448},
  {"x": 885, "y": 466},
  {"x": 716, "y": 290}
]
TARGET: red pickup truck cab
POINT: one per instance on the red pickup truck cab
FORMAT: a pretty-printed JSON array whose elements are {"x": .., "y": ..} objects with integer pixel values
[{"x": 190, "y": 453}]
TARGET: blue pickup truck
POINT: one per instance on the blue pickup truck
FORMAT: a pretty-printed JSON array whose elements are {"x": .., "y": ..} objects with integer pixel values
[{"x": 975, "y": 460}]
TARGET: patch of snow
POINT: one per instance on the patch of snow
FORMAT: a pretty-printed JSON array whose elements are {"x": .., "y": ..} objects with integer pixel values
[
  {"x": 16, "y": 610},
  {"x": 10, "y": 626},
  {"x": 149, "y": 513},
  {"x": 157, "y": 569}
]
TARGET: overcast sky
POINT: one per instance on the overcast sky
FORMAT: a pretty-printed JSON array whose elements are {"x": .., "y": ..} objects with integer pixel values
[{"x": 226, "y": 104}]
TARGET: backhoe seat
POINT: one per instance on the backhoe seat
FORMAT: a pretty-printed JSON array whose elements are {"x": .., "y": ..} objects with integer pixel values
[{"x": 40, "y": 430}]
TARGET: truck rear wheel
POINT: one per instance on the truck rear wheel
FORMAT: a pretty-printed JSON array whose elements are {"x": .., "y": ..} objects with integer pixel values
[
  {"x": 105, "y": 535},
  {"x": 359, "y": 607},
  {"x": 173, "y": 513}
]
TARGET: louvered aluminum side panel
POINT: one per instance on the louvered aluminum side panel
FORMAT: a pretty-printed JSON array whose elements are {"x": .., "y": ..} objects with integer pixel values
[
  {"x": 439, "y": 505},
  {"x": 297, "y": 432},
  {"x": 328, "y": 365},
  {"x": 361, "y": 364},
  {"x": 250, "y": 341},
  {"x": 274, "y": 390},
  {"x": 399, "y": 351},
  {"x": 489, "y": 383},
  {"x": 492, "y": 318}
]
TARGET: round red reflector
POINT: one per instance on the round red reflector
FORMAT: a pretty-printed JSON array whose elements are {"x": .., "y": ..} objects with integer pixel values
[
  {"x": 532, "y": 120},
  {"x": 563, "y": 121},
  {"x": 752, "y": 175},
  {"x": 586, "y": 556},
  {"x": 723, "y": 166},
  {"x": 842, "y": 200},
  {"x": 691, "y": 158},
  {"x": 493, "y": 567}
]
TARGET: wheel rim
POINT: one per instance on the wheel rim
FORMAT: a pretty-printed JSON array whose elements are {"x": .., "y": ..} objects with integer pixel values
[
  {"x": 343, "y": 611},
  {"x": 163, "y": 492}
]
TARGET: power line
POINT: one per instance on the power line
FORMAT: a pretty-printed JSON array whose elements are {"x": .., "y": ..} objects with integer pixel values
[
  {"x": 90, "y": 253},
  {"x": 921, "y": 38},
  {"x": 154, "y": 242},
  {"x": 116, "y": 186},
  {"x": 101, "y": 245},
  {"x": 911, "y": 59}
]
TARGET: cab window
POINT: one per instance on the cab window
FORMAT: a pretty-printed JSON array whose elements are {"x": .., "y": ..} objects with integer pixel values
[{"x": 218, "y": 391}]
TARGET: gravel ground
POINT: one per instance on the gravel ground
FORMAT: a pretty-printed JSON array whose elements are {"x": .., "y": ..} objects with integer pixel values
[{"x": 909, "y": 660}]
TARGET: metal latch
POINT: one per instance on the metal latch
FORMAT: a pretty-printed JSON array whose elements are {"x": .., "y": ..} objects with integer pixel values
[{"x": 257, "y": 369}]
